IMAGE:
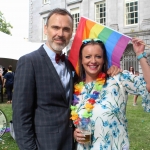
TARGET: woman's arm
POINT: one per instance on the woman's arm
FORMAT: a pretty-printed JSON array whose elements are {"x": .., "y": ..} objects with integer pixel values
[
  {"x": 4, "y": 81},
  {"x": 139, "y": 49}
]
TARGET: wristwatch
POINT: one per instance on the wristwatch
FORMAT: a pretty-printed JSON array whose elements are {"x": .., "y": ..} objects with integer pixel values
[{"x": 141, "y": 56}]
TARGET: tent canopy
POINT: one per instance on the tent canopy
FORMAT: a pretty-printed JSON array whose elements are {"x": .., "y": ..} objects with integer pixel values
[{"x": 13, "y": 48}]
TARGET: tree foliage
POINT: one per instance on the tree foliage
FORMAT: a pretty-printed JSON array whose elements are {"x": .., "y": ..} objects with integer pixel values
[{"x": 4, "y": 26}]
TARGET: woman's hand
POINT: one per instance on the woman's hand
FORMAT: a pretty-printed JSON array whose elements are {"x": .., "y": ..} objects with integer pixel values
[
  {"x": 138, "y": 46},
  {"x": 78, "y": 136}
]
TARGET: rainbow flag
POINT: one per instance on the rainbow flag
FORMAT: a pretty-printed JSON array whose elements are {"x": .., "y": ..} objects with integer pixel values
[{"x": 114, "y": 41}]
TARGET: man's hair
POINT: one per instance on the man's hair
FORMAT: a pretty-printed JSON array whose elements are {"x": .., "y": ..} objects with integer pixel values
[
  {"x": 59, "y": 11},
  {"x": 136, "y": 72},
  {"x": 10, "y": 67}
]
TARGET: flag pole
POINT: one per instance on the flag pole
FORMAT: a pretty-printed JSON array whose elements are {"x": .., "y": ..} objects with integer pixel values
[{"x": 145, "y": 44}]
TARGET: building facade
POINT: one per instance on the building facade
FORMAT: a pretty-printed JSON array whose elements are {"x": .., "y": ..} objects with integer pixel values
[{"x": 131, "y": 17}]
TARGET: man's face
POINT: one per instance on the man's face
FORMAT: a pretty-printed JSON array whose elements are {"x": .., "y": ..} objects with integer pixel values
[{"x": 59, "y": 32}]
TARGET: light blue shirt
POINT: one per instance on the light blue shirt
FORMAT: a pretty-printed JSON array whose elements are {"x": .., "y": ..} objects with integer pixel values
[{"x": 60, "y": 68}]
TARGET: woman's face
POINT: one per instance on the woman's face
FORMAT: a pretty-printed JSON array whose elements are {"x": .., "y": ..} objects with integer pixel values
[
  {"x": 131, "y": 68},
  {"x": 92, "y": 60}
]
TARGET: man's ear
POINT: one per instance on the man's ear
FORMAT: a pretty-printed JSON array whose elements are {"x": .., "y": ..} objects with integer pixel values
[{"x": 45, "y": 29}]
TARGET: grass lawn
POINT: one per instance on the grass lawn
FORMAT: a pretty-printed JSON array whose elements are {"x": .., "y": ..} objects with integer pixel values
[{"x": 138, "y": 127}]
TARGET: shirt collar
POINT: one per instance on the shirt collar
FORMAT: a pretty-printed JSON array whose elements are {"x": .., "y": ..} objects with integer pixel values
[{"x": 49, "y": 52}]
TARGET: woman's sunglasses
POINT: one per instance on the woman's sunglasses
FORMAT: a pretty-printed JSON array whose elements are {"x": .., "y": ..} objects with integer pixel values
[{"x": 86, "y": 41}]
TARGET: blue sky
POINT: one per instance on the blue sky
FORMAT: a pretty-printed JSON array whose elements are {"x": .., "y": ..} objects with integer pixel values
[{"x": 16, "y": 12}]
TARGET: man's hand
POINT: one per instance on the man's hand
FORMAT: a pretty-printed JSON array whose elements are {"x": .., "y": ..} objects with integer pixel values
[{"x": 113, "y": 70}]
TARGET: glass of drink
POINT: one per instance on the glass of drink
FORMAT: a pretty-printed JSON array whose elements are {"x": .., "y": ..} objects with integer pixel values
[{"x": 87, "y": 135}]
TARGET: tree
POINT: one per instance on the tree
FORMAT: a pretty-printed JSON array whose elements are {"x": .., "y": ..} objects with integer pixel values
[{"x": 4, "y": 26}]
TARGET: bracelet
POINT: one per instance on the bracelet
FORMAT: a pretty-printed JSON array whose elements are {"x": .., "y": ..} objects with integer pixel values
[{"x": 141, "y": 56}]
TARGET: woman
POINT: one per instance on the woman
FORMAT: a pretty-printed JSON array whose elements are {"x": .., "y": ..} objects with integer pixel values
[
  {"x": 100, "y": 101},
  {"x": 131, "y": 70},
  {"x": 135, "y": 97}
]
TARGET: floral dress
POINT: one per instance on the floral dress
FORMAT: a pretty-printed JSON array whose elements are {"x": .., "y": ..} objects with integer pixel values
[{"x": 108, "y": 120}]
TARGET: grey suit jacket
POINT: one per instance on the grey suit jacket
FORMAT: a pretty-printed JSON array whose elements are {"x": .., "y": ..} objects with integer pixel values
[{"x": 41, "y": 112}]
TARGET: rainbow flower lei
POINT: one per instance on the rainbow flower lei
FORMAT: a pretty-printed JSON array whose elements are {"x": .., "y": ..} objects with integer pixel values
[{"x": 89, "y": 105}]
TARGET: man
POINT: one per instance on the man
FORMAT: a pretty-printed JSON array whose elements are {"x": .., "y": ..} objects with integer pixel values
[{"x": 43, "y": 90}]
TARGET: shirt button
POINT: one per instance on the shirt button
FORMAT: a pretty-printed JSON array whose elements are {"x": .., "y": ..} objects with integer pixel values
[{"x": 70, "y": 125}]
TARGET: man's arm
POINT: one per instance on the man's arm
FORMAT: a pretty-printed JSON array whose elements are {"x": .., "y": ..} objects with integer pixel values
[
  {"x": 23, "y": 105},
  {"x": 113, "y": 70}
]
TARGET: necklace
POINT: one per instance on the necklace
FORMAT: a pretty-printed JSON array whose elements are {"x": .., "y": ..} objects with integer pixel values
[{"x": 89, "y": 98}]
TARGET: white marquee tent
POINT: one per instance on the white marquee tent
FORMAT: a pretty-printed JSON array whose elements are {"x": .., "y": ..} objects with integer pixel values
[{"x": 13, "y": 48}]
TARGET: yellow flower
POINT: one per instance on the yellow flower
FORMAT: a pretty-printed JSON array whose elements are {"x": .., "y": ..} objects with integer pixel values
[
  {"x": 78, "y": 88},
  {"x": 74, "y": 115},
  {"x": 89, "y": 107}
]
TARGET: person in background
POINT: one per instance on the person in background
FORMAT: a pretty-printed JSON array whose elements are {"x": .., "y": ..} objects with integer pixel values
[
  {"x": 1, "y": 76},
  {"x": 100, "y": 101},
  {"x": 4, "y": 71},
  {"x": 135, "y": 97},
  {"x": 43, "y": 90},
  {"x": 131, "y": 70},
  {"x": 1, "y": 81},
  {"x": 4, "y": 89},
  {"x": 1, "y": 86},
  {"x": 8, "y": 83}
]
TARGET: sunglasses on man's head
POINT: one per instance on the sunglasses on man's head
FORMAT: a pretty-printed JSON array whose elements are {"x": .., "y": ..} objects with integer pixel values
[{"x": 86, "y": 41}]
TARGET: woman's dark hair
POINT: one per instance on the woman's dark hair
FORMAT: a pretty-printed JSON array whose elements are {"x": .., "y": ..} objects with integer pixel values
[
  {"x": 132, "y": 69},
  {"x": 81, "y": 69},
  {"x": 59, "y": 11}
]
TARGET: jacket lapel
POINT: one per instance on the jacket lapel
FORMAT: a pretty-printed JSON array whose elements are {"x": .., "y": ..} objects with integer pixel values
[
  {"x": 53, "y": 72},
  {"x": 70, "y": 82}
]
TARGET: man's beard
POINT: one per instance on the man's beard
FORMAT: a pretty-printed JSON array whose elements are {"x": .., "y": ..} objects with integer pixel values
[{"x": 58, "y": 47}]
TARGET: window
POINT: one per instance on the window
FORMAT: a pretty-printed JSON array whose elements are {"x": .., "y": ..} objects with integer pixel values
[
  {"x": 44, "y": 23},
  {"x": 46, "y": 1},
  {"x": 100, "y": 12},
  {"x": 129, "y": 59},
  {"x": 75, "y": 15},
  {"x": 131, "y": 12}
]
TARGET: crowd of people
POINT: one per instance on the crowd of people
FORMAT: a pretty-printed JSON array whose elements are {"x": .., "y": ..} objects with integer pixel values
[{"x": 52, "y": 105}]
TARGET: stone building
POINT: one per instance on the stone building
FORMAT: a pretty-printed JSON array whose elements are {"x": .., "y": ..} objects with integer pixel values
[{"x": 131, "y": 17}]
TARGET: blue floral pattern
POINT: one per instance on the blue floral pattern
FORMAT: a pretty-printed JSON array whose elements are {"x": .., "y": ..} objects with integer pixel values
[{"x": 108, "y": 121}]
